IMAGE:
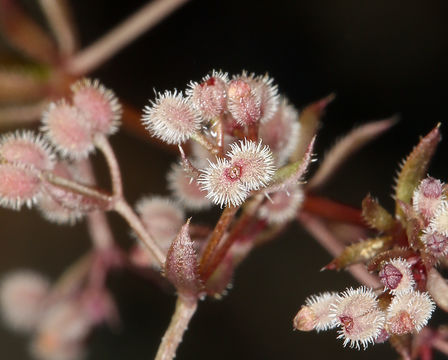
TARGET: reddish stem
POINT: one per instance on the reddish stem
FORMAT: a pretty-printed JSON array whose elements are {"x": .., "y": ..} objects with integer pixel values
[
  {"x": 219, "y": 230},
  {"x": 331, "y": 210}
]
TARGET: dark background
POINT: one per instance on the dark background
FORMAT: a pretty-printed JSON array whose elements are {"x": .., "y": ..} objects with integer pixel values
[{"x": 380, "y": 58}]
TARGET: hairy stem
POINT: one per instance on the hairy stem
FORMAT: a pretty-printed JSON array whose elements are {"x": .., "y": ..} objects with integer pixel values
[
  {"x": 320, "y": 232},
  {"x": 76, "y": 187},
  {"x": 104, "y": 48},
  {"x": 185, "y": 309},
  {"x": 103, "y": 144},
  {"x": 60, "y": 25},
  {"x": 223, "y": 223},
  {"x": 123, "y": 208}
]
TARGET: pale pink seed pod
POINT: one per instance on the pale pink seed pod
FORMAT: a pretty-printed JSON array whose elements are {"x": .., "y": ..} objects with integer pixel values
[
  {"x": 171, "y": 118},
  {"x": 283, "y": 205},
  {"x": 186, "y": 190},
  {"x": 162, "y": 218},
  {"x": 281, "y": 132},
  {"x": 22, "y": 299},
  {"x": 209, "y": 97},
  {"x": 68, "y": 130},
  {"x": 357, "y": 314},
  {"x": 19, "y": 185},
  {"x": 409, "y": 312},
  {"x": 435, "y": 243},
  {"x": 254, "y": 163},
  {"x": 427, "y": 197},
  {"x": 439, "y": 221},
  {"x": 52, "y": 207},
  {"x": 267, "y": 93},
  {"x": 396, "y": 275},
  {"x": 222, "y": 183},
  {"x": 315, "y": 314},
  {"x": 61, "y": 333},
  {"x": 26, "y": 148},
  {"x": 244, "y": 103},
  {"x": 98, "y": 104}
]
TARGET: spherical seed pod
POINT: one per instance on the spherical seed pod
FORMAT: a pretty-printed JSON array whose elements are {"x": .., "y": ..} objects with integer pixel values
[
  {"x": 171, "y": 118},
  {"x": 427, "y": 197},
  {"x": 162, "y": 218},
  {"x": 281, "y": 132},
  {"x": 315, "y": 314},
  {"x": 187, "y": 190},
  {"x": 396, "y": 275},
  {"x": 254, "y": 162},
  {"x": 19, "y": 185},
  {"x": 244, "y": 103},
  {"x": 435, "y": 243},
  {"x": 358, "y": 316},
  {"x": 98, "y": 104},
  {"x": 26, "y": 148},
  {"x": 222, "y": 183},
  {"x": 22, "y": 297},
  {"x": 209, "y": 96},
  {"x": 68, "y": 130}
]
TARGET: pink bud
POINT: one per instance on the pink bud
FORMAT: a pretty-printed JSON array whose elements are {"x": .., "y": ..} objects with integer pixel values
[
  {"x": 281, "y": 132},
  {"x": 26, "y": 148},
  {"x": 222, "y": 183},
  {"x": 359, "y": 317},
  {"x": 61, "y": 333},
  {"x": 181, "y": 266},
  {"x": 427, "y": 197},
  {"x": 19, "y": 185},
  {"x": 98, "y": 104},
  {"x": 244, "y": 103},
  {"x": 171, "y": 118},
  {"x": 435, "y": 243},
  {"x": 22, "y": 298},
  {"x": 283, "y": 205},
  {"x": 396, "y": 275},
  {"x": 253, "y": 162},
  {"x": 409, "y": 312},
  {"x": 68, "y": 130},
  {"x": 162, "y": 219},
  {"x": 187, "y": 190},
  {"x": 267, "y": 93},
  {"x": 210, "y": 96},
  {"x": 316, "y": 314}
]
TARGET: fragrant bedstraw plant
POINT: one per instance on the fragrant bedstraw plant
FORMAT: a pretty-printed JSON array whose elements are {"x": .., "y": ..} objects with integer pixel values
[{"x": 243, "y": 148}]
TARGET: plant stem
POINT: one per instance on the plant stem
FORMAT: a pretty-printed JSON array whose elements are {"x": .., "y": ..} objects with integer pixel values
[
  {"x": 60, "y": 25},
  {"x": 247, "y": 215},
  {"x": 332, "y": 210},
  {"x": 75, "y": 187},
  {"x": 103, "y": 144},
  {"x": 123, "y": 208},
  {"x": 202, "y": 140},
  {"x": 219, "y": 230},
  {"x": 324, "y": 237},
  {"x": 104, "y": 48},
  {"x": 185, "y": 309}
]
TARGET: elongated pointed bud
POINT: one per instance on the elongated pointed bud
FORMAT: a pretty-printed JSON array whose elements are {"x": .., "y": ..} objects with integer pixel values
[
  {"x": 415, "y": 166},
  {"x": 375, "y": 215},
  {"x": 181, "y": 266}
]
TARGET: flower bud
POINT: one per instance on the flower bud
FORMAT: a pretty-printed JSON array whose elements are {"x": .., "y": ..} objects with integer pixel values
[
  {"x": 68, "y": 130},
  {"x": 22, "y": 298},
  {"x": 427, "y": 197},
  {"x": 243, "y": 102},
  {"x": 396, "y": 275},
  {"x": 98, "y": 104},
  {"x": 171, "y": 118},
  {"x": 315, "y": 314},
  {"x": 210, "y": 96}
]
